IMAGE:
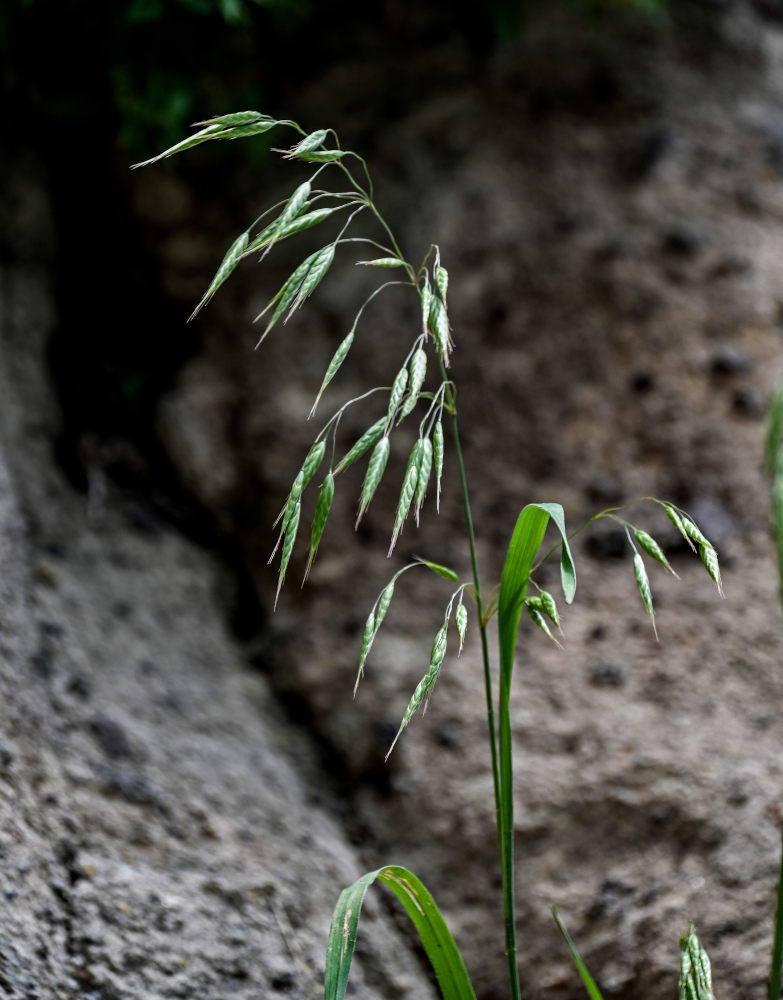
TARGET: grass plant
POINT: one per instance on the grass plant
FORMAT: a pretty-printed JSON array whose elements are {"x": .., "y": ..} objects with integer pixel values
[{"x": 422, "y": 392}]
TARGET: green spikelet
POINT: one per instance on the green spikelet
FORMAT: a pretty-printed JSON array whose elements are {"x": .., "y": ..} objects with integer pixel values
[
  {"x": 418, "y": 369},
  {"x": 406, "y": 498},
  {"x": 549, "y": 608},
  {"x": 227, "y": 265},
  {"x": 322, "y": 507},
  {"x": 677, "y": 521},
  {"x": 337, "y": 359},
  {"x": 643, "y": 583},
  {"x": 375, "y": 468},
  {"x": 364, "y": 443},
  {"x": 710, "y": 559},
  {"x": 695, "y": 982},
  {"x": 397, "y": 392},
  {"x": 461, "y": 620},
  {"x": 426, "y": 684},
  {"x": 424, "y": 460},
  {"x": 437, "y": 458},
  {"x": 652, "y": 548},
  {"x": 367, "y": 638},
  {"x": 312, "y": 461},
  {"x": 288, "y": 546}
]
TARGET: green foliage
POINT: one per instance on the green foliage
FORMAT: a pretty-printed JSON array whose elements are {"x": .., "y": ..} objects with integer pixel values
[
  {"x": 422, "y": 393},
  {"x": 592, "y": 990},
  {"x": 420, "y": 906}
]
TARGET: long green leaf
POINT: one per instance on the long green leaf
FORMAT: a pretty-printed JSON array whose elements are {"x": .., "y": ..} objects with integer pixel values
[
  {"x": 525, "y": 542},
  {"x": 593, "y": 992},
  {"x": 420, "y": 907}
]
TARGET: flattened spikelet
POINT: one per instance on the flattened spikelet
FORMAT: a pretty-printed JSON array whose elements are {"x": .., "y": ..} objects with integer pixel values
[
  {"x": 533, "y": 606},
  {"x": 382, "y": 262},
  {"x": 227, "y": 265},
  {"x": 286, "y": 294},
  {"x": 439, "y": 327},
  {"x": 244, "y": 131},
  {"x": 426, "y": 301},
  {"x": 364, "y": 443},
  {"x": 441, "y": 281},
  {"x": 308, "y": 144},
  {"x": 337, "y": 359},
  {"x": 397, "y": 392},
  {"x": 710, "y": 559},
  {"x": 383, "y": 603},
  {"x": 322, "y": 155},
  {"x": 206, "y": 133},
  {"x": 652, "y": 548},
  {"x": 294, "y": 205},
  {"x": 274, "y": 232},
  {"x": 236, "y": 118},
  {"x": 375, "y": 468},
  {"x": 319, "y": 267},
  {"x": 312, "y": 461},
  {"x": 439, "y": 645},
  {"x": 418, "y": 370},
  {"x": 461, "y": 620},
  {"x": 426, "y": 684},
  {"x": 549, "y": 608},
  {"x": 406, "y": 497},
  {"x": 322, "y": 507},
  {"x": 288, "y": 545},
  {"x": 693, "y": 532},
  {"x": 677, "y": 521},
  {"x": 643, "y": 583},
  {"x": 424, "y": 460},
  {"x": 367, "y": 638},
  {"x": 437, "y": 451}
]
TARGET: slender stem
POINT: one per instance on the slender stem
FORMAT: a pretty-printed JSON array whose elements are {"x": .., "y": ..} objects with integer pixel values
[
  {"x": 503, "y": 814},
  {"x": 777, "y": 945},
  {"x": 506, "y": 833}
]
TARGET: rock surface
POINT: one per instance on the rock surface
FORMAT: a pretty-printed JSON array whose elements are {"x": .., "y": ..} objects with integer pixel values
[
  {"x": 164, "y": 832},
  {"x": 616, "y": 281}
]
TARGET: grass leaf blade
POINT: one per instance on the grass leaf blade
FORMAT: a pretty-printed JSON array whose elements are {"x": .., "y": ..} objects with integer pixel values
[
  {"x": 592, "y": 990},
  {"x": 435, "y": 936}
]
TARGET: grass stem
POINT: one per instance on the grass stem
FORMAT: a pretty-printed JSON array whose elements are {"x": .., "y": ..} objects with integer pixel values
[{"x": 503, "y": 816}]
